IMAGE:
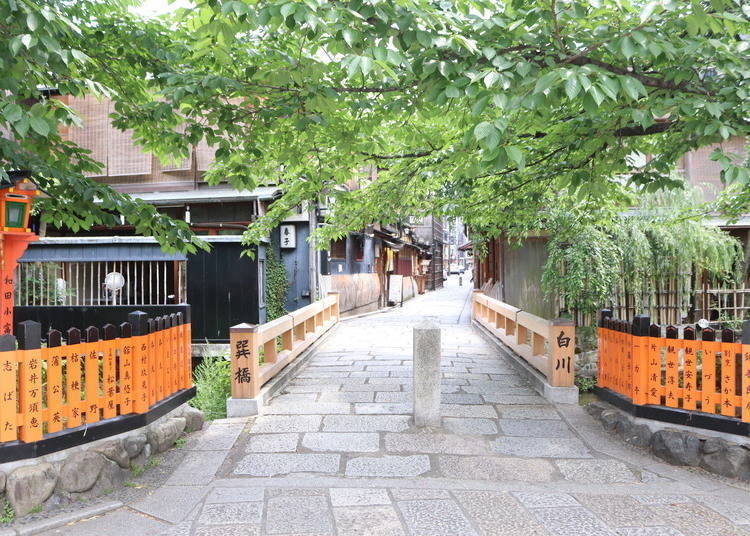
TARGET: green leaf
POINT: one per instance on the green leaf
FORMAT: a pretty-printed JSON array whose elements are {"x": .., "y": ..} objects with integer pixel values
[
  {"x": 516, "y": 155},
  {"x": 15, "y": 45},
  {"x": 288, "y": 9},
  {"x": 631, "y": 87},
  {"x": 491, "y": 78},
  {"x": 353, "y": 66},
  {"x": 22, "y": 126},
  {"x": 483, "y": 129},
  {"x": 452, "y": 92},
  {"x": 572, "y": 87},
  {"x": 610, "y": 87},
  {"x": 546, "y": 81},
  {"x": 492, "y": 140},
  {"x": 649, "y": 9},
  {"x": 626, "y": 47},
  {"x": 478, "y": 107},
  {"x": 12, "y": 112},
  {"x": 596, "y": 94},
  {"x": 365, "y": 64},
  {"x": 350, "y": 36},
  {"x": 32, "y": 21},
  {"x": 27, "y": 40}
]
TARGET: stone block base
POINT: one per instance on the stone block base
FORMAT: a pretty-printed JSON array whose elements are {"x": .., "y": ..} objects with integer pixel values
[{"x": 243, "y": 407}]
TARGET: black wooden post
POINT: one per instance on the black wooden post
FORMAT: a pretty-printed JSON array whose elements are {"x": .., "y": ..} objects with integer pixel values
[
  {"x": 138, "y": 321},
  {"x": 29, "y": 335},
  {"x": 54, "y": 338},
  {"x": 7, "y": 343}
]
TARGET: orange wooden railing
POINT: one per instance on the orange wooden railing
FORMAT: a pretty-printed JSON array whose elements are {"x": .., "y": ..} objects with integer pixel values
[
  {"x": 74, "y": 382},
  {"x": 280, "y": 341},
  {"x": 672, "y": 371},
  {"x": 547, "y": 345}
]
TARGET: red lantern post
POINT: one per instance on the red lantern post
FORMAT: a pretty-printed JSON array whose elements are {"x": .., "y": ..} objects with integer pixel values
[{"x": 15, "y": 235}]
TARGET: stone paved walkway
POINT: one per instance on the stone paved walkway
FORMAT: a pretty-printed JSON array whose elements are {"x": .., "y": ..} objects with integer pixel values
[{"x": 335, "y": 454}]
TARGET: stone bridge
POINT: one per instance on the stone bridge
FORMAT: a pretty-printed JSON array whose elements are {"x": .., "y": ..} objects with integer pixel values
[{"x": 335, "y": 453}]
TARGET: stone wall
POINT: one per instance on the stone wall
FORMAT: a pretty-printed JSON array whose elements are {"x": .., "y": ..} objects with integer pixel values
[
  {"x": 92, "y": 469},
  {"x": 677, "y": 446}
]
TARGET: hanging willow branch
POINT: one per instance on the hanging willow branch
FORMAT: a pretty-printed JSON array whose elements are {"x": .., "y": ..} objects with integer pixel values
[{"x": 638, "y": 254}]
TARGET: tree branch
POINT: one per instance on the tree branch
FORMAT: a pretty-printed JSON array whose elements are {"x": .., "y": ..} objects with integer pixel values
[{"x": 397, "y": 156}]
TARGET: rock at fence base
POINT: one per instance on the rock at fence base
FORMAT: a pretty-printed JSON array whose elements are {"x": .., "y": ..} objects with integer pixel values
[
  {"x": 726, "y": 459},
  {"x": 609, "y": 419},
  {"x": 110, "y": 478},
  {"x": 595, "y": 409},
  {"x": 2, "y": 482},
  {"x": 80, "y": 471},
  {"x": 142, "y": 458},
  {"x": 194, "y": 419},
  {"x": 115, "y": 451},
  {"x": 29, "y": 486},
  {"x": 133, "y": 444},
  {"x": 676, "y": 447},
  {"x": 162, "y": 435},
  {"x": 623, "y": 424},
  {"x": 639, "y": 435}
]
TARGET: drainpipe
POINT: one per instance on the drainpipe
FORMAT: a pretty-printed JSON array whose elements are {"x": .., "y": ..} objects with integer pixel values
[{"x": 313, "y": 256}]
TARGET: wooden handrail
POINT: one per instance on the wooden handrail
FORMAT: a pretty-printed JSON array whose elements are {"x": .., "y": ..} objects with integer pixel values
[
  {"x": 547, "y": 345},
  {"x": 282, "y": 340}
]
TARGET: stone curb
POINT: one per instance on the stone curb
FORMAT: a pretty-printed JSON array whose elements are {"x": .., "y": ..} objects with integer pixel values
[
  {"x": 370, "y": 313},
  {"x": 58, "y": 521},
  {"x": 555, "y": 395},
  {"x": 676, "y": 446}
]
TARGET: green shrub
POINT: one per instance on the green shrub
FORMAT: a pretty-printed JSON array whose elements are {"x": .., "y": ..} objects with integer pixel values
[
  {"x": 212, "y": 379},
  {"x": 585, "y": 384},
  {"x": 7, "y": 514}
]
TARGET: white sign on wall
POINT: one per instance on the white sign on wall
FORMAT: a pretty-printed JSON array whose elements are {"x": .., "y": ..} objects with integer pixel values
[
  {"x": 288, "y": 237},
  {"x": 396, "y": 289}
]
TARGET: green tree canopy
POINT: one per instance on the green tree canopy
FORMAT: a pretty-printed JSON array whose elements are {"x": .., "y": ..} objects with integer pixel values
[
  {"x": 484, "y": 109},
  {"x": 76, "y": 48}
]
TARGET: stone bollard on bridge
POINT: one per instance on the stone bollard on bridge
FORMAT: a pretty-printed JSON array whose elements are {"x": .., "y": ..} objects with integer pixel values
[{"x": 426, "y": 364}]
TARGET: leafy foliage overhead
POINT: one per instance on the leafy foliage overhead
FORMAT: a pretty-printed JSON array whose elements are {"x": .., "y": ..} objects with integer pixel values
[
  {"x": 75, "y": 48},
  {"x": 485, "y": 109}
]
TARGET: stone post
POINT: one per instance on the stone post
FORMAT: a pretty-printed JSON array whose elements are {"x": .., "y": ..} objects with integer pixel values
[{"x": 427, "y": 374}]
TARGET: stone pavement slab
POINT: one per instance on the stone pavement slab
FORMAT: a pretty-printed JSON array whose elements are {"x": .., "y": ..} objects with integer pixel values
[
  {"x": 368, "y": 521},
  {"x": 435, "y": 518},
  {"x": 171, "y": 503},
  {"x": 231, "y": 513},
  {"x": 286, "y": 423},
  {"x": 299, "y": 515},
  {"x": 366, "y": 423},
  {"x": 388, "y": 466},
  {"x": 532, "y": 447},
  {"x": 272, "y": 443},
  {"x": 359, "y": 497},
  {"x": 498, "y": 514},
  {"x": 596, "y": 471},
  {"x": 281, "y": 464},
  {"x": 342, "y": 441}
]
